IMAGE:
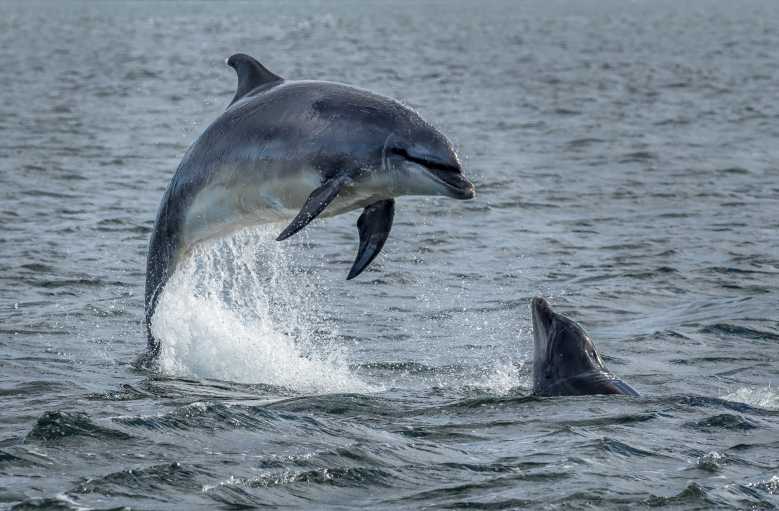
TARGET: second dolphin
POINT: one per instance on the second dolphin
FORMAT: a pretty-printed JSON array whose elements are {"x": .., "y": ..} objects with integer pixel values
[{"x": 566, "y": 363}]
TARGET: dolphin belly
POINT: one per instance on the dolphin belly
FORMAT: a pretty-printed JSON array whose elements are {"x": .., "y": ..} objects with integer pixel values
[{"x": 240, "y": 199}]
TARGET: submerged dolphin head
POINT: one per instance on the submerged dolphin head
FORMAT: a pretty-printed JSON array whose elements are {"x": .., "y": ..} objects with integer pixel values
[{"x": 565, "y": 361}]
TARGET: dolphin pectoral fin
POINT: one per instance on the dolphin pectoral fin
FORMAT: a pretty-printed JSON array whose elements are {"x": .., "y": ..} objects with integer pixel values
[
  {"x": 374, "y": 225},
  {"x": 315, "y": 204}
]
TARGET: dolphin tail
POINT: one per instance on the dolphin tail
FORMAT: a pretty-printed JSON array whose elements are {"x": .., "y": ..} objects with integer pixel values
[
  {"x": 315, "y": 204},
  {"x": 374, "y": 226}
]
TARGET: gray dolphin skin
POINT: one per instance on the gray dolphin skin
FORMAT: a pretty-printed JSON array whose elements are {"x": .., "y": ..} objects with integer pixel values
[
  {"x": 294, "y": 150},
  {"x": 565, "y": 362}
]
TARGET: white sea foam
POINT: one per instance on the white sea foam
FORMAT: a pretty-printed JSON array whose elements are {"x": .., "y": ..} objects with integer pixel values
[
  {"x": 761, "y": 397},
  {"x": 503, "y": 377},
  {"x": 237, "y": 310}
]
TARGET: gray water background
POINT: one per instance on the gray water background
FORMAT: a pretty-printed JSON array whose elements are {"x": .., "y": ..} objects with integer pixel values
[{"x": 626, "y": 158}]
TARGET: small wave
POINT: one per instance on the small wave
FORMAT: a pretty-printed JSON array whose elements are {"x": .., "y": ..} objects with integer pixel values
[
  {"x": 464, "y": 433},
  {"x": 352, "y": 466},
  {"x": 727, "y": 421},
  {"x": 18, "y": 456},
  {"x": 238, "y": 492},
  {"x": 462, "y": 406},
  {"x": 693, "y": 495},
  {"x": 716, "y": 403},
  {"x": 613, "y": 446},
  {"x": 614, "y": 419},
  {"x": 232, "y": 496},
  {"x": 347, "y": 405},
  {"x": 39, "y": 387},
  {"x": 58, "y": 503},
  {"x": 210, "y": 416},
  {"x": 734, "y": 170},
  {"x": 8, "y": 458},
  {"x": 143, "y": 482},
  {"x": 638, "y": 156},
  {"x": 237, "y": 310},
  {"x": 87, "y": 281},
  {"x": 56, "y": 426},
  {"x": 729, "y": 329},
  {"x": 577, "y": 143},
  {"x": 566, "y": 111},
  {"x": 761, "y": 397},
  {"x": 453, "y": 496}
]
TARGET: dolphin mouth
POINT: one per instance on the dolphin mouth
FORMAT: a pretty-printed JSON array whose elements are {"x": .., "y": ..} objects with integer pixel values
[
  {"x": 458, "y": 186},
  {"x": 444, "y": 171}
]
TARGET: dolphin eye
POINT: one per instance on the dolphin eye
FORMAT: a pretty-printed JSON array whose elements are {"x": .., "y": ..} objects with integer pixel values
[{"x": 425, "y": 162}]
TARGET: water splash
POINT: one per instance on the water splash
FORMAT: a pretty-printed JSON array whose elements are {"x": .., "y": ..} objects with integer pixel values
[
  {"x": 504, "y": 377},
  {"x": 761, "y": 397},
  {"x": 237, "y": 310}
]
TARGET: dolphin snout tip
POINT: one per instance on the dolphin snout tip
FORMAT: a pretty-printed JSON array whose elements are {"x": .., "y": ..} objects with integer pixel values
[
  {"x": 466, "y": 188},
  {"x": 539, "y": 305},
  {"x": 467, "y": 193}
]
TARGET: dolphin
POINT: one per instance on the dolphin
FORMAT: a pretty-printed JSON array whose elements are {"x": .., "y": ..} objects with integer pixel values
[
  {"x": 295, "y": 150},
  {"x": 566, "y": 363}
]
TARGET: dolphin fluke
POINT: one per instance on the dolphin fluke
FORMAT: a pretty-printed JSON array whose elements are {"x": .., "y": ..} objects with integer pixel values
[
  {"x": 374, "y": 225},
  {"x": 251, "y": 74},
  {"x": 315, "y": 204}
]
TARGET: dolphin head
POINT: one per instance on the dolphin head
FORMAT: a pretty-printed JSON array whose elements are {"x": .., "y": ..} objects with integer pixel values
[
  {"x": 397, "y": 152},
  {"x": 565, "y": 361},
  {"x": 423, "y": 162}
]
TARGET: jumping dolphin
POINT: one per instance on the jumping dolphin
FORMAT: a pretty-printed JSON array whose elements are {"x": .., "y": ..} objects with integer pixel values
[
  {"x": 566, "y": 363},
  {"x": 297, "y": 150}
]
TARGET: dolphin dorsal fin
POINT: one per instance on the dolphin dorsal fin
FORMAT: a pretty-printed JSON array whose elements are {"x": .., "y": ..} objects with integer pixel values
[{"x": 251, "y": 74}]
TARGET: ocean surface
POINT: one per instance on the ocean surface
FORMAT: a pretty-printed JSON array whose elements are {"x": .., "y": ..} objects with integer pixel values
[{"x": 626, "y": 159}]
